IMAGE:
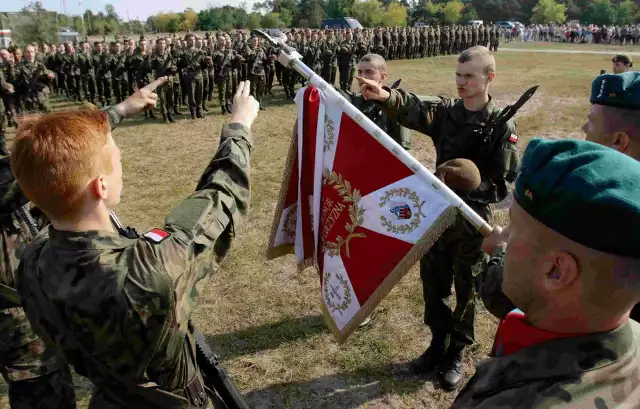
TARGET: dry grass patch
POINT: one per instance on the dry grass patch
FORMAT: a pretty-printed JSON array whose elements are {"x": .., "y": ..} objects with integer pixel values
[{"x": 262, "y": 317}]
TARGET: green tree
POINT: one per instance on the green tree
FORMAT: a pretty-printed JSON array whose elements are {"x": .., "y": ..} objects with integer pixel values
[
  {"x": 427, "y": 12},
  {"x": 626, "y": 12},
  {"x": 469, "y": 13},
  {"x": 339, "y": 8},
  {"x": 368, "y": 12},
  {"x": 309, "y": 13},
  {"x": 271, "y": 20},
  {"x": 452, "y": 11},
  {"x": 549, "y": 12},
  {"x": 189, "y": 19},
  {"x": 253, "y": 20},
  {"x": 395, "y": 15},
  {"x": 600, "y": 12},
  {"x": 41, "y": 25}
]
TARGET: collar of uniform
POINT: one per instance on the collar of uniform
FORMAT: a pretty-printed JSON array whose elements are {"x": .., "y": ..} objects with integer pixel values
[
  {"x": 460, "y": 113},
  {"x": 565, "y": 357},
  {"x": 92, "y": 239}
]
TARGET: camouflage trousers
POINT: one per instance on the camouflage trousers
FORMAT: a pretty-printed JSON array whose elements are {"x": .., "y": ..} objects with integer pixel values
[
  {"x": 225, "y": 97},
  {"x": 193, "y": 91},
  {"x": 165, "y": 98},
  {"x": 89, "y": 88},
  {"x": 258, "y": 83},
  {"x": 456, "y": 258},
  {"x": 346, "y": 76},
  {"x": 205, "y": 88},
  {"x": 3, "y": 129},
  {"x": 120, "y": 89},
  {"x": 36, "y": 376},
  {"x": 106, "y": 97},
  {"x": 73, "y": 87}
]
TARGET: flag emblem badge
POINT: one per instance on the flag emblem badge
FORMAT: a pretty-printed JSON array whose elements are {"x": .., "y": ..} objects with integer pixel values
[
  {"x": 402, "y": 211},
  {"x": 157, "y": 235}
]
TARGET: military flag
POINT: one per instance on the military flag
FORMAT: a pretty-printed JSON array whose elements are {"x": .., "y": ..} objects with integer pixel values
[{"x": 356, "y": 206}]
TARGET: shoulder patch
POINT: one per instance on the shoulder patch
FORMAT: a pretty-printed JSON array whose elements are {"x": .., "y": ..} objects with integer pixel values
[
  {"x": 513, "y": 138},
  {"x": 157, "y": 235}
]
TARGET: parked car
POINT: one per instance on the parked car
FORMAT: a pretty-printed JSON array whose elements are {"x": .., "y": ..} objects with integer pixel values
[
  {"x": 342, "y": 22},
  {"x": 505, "y": 24}
]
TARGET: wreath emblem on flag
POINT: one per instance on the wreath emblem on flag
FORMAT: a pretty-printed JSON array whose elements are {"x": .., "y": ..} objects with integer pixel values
[
  {"x": 356, "y": 212},
  {"x": 331, "y": 293},
  {"x": 402, "y": 210}
]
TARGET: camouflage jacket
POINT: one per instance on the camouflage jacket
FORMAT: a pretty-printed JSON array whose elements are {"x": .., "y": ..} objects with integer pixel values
[
  {"x": 163, "y": 65},
  {"x": 141, "y": 69},
  {"x": 396, "y": 131},
  {"x": 346, "y": 53},
  {"x": 257, "y": 60},
  {"x": 458, "y": 133},
  {"x": 594, "y": 371},
  {"x": 127, "y": 302},
  {"x": 86, "y": 63},
  {"x": 32, "y": 80},
  {"x": 193, "y": 61}
]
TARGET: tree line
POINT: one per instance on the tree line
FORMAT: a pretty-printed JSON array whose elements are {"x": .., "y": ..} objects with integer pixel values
[{"x": 371, "y": 13}]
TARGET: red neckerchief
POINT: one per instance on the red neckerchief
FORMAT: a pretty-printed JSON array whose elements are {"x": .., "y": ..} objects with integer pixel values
[{"x": 515, "y": 334}]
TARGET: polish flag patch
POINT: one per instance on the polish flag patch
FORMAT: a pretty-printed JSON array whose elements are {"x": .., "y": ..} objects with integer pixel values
[
  {"x": 513, "y": 138},
  {"x": 157, "y": 235}
]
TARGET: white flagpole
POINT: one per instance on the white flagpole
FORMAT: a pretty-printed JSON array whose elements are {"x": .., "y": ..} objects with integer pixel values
[{"x": 289, "y": 57}]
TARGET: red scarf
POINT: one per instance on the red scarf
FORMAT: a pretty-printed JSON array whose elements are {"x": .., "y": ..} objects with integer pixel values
[{"x": 515, "y": 334}]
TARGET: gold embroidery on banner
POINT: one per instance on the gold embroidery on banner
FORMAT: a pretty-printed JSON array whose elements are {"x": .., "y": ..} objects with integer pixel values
[
  {"x": 415, "y": 217},
  {"x": 356, "y": 213},
  {"x": 289, "y": 225}
]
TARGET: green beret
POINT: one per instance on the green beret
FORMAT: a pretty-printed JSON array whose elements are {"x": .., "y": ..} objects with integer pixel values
[
  {"x": 584, "y": 191},
  {"x": 617, "y": 90}
]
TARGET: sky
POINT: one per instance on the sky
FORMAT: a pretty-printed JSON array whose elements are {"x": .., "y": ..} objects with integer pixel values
[{"x": 126, "y": 9}]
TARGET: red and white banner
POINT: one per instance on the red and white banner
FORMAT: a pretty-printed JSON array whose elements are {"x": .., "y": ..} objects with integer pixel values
[{"x": 353, "y": 209}]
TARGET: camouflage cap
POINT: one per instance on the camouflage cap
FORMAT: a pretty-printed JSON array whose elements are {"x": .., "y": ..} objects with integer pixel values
[
  {"x": 584, "y": 191},
  {"x": 617, "y": 90}
]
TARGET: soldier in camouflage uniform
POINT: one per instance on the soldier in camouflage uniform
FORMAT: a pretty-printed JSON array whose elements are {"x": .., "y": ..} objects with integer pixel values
[
  {"x": 571, "y": 344},
  {"x": 257, "y": 60},
  {"x": 329, "y": 58},
  {"x": 201, "y": 46},
  {"x": 163, "y": 65},
  {"x": 457, "y": 128},
  {"x": 6, "y": 89},
  {"x": 193, "y": 61},
  {"x": 37, "y": 377},
  {"x": 143, "y": 73},
  {"x": 71, "y": 72},
  {"x": 32, "y": 80},
  {"x": 346, "y": 61},
  {"x": 88, "y": 74},
  {"x": 373, "y": 67},
  {"x": 223, "y": 59},
  {"x": 7, "y": 69},
  {"x": 118, "y": 68},
  {"x": 140, "y": 347}
]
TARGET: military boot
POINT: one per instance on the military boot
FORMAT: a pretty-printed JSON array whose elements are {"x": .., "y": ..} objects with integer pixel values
[
  {"x": 199, "y": 113},
  {"x": 431, "y": 358},
  {"x": 204, "y": 108},
  {"x": 193, "y": 115},
  {"x": 223, "y": 109},
  {"x": 165, "y": 118},
  {"x": 450, "y": 370},
  {"x": 176, "y": 111},
  {"x": 170, "y": 117},
  {"x": 146, "y": 114},
  {"x": 152, "y": 115}
]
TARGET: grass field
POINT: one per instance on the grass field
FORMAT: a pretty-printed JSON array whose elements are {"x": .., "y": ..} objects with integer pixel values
[{"x": 264, "y": 318}]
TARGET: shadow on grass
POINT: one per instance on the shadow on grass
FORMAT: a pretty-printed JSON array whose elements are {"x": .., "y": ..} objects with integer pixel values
[
  {"x": 263, "y": 337},
  {"x": 347, "y": 390}
]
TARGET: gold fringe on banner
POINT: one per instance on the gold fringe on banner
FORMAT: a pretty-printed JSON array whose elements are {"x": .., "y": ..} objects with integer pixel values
[{"x": 287, "y": 248}]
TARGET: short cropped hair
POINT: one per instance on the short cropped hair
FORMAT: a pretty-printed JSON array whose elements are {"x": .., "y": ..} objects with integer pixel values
[
  {"x": 54, "y": 157},
  {"x": 479, "y": 52},
  {"x": 377, "y": 60},
  {"x": 622, "y": 120}
]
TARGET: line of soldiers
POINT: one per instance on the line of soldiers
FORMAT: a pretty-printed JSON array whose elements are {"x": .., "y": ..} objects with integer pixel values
[{"x": 103, "y": 74}]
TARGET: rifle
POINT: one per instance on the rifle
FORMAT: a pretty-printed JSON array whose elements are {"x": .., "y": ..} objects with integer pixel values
[{"x": 214, "y": 375}]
